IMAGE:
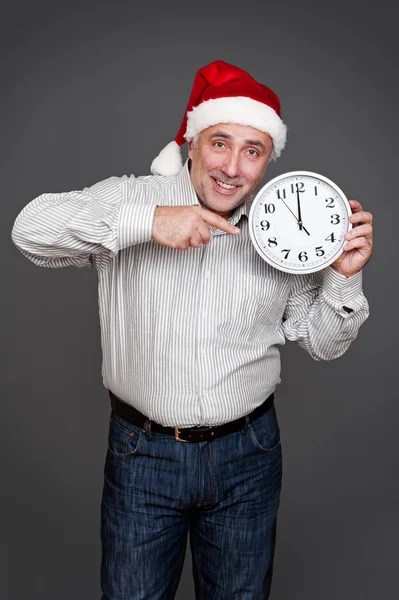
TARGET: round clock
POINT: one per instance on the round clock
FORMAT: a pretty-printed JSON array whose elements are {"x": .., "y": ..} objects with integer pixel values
[{"x": 298, "y": 221}]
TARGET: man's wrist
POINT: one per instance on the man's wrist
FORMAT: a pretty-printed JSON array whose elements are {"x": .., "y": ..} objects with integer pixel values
[
  {"x": 342, "y": 289},
  {"x": 135, "y": 224}
]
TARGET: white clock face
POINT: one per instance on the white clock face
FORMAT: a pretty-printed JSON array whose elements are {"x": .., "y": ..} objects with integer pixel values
[{"x": 298, "y": 221}]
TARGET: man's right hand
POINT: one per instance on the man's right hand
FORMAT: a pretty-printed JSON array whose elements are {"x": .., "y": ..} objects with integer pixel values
[{"x": 185, "y": 227}]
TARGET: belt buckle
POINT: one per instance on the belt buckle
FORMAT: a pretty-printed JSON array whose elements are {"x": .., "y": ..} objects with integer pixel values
[{"x": 177, "y": 438}]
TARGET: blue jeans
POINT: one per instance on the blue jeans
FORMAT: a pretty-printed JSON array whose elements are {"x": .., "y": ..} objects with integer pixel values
[{"x": 225, "y": 492}]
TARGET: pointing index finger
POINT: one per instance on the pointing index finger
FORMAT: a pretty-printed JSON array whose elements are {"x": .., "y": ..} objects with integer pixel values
[{"x": 215, "y": 220}]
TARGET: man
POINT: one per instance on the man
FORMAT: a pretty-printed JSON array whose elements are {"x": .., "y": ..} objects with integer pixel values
[{"x": 190, "y": 318}]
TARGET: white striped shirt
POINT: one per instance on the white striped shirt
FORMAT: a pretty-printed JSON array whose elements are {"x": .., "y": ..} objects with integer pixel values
[{"x": 188, "y": 337}]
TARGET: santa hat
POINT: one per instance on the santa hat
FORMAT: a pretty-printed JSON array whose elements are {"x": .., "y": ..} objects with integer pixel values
[{"x": 223, "y": 93}]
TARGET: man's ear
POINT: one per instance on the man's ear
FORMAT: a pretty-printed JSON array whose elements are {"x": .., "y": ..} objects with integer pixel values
[{"x": 190, "y": 148}]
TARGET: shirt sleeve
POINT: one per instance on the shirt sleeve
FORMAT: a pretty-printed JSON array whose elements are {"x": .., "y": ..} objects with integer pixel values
[
  {"x": 84, "y": 228},
  {"x": 324, "y": 312}
]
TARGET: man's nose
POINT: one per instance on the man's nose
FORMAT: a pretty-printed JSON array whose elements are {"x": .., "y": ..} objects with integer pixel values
[{"x": 231, "y": 165}]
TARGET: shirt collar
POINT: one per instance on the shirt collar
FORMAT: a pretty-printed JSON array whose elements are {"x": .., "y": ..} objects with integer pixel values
[{"x": 190, "y": 196}]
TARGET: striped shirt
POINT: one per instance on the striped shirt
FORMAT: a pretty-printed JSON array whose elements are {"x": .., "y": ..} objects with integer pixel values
[{"x": 188, "y": 337}]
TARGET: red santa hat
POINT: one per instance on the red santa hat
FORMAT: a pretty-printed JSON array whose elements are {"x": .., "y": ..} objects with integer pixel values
[{"x": 223, "y": 93}]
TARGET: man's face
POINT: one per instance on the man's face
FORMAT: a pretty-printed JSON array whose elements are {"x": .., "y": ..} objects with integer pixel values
[{"x": 228, "y": 155}]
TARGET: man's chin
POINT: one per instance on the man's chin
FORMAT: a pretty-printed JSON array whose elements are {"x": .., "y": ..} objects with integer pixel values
[{"x": 223, "y": 206}]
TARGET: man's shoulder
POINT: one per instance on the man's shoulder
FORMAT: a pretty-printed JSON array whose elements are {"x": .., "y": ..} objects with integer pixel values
[{"x": 143, "y": 185}]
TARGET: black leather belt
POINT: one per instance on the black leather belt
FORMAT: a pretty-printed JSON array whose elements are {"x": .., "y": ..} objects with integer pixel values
[{"x": 188, "y": 434}]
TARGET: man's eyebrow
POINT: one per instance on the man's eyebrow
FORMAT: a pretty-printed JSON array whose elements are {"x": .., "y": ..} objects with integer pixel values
[
  {"x": 226, "y": 136},
  {"x": 221, "y": 134},
  {"x": 255, "y": 143}
]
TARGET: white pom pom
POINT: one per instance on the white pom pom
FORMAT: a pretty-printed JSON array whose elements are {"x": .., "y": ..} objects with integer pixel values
[{"x": 168, "y": 162}]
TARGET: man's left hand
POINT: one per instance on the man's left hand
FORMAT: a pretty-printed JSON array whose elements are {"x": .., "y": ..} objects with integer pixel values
[{"x": 359, "y": 244}]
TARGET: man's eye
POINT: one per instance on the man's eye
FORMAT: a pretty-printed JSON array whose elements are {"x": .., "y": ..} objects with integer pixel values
[
  {"x": 219, "y": 144},
  {"x": 253, "y": 153}
]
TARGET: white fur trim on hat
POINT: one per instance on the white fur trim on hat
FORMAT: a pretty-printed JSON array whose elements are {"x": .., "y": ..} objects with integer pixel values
[
  {"x": 168, "y": 162},
  {"x": 240, "y": 110}
]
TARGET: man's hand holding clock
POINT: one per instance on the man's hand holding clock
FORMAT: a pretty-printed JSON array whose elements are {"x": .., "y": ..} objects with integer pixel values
[{"x": 357, "y": 250}]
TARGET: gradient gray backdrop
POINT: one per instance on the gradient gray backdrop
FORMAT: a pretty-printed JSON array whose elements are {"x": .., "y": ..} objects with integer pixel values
[{"x": 94, "y": 89}]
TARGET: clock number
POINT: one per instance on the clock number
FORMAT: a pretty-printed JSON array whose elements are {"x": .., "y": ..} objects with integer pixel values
[
  {"x": 330, "y": 203},
  {"x": 330, "y": 238},
  {"x": 287, "y": 251},
  {"x": 315, "y": 190},
  {"x": 264, "y": 225},
  {"x": 319, "y": 251},
  {"x": 272, "y": 242},
  {"x": 297, "y": 187},
  {"x": 270, "y": 208},
  {"x": 335, "y": 219},
  {"x": 281, "y": 195},
  {"x": 303, "y": 257}
]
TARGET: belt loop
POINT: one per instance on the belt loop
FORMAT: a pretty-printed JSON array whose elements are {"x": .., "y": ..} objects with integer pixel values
[
  {"x": 245, "y": 428},
  {"x": 147, "y": 427}
]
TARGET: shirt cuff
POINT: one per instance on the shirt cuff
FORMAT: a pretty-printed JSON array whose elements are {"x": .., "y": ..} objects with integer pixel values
[
  {"x": 345, "y": 293},
  {"x": 135, "y": 224}
]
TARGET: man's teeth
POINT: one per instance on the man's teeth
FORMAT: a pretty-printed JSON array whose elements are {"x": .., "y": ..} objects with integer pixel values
[{"x": 225, "y": 185}]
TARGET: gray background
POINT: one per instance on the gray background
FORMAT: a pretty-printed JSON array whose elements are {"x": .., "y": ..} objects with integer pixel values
[{"x": 93, "y": 89}]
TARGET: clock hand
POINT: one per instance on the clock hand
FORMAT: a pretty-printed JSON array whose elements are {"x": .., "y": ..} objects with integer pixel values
[
  {"x": 299, "y": 209},
  {"x": 296, "y": 218},
  {"x": 300, "y": 223}
]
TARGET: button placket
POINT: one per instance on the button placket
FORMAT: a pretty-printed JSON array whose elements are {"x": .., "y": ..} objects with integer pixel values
[{"x": 203, "y": 314}]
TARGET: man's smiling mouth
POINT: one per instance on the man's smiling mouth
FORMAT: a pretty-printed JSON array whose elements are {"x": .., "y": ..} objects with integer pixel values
[{"x": 225, "y": 186}]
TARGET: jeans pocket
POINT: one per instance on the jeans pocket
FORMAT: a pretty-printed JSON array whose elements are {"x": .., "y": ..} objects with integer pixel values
[
  {"x": 265, "y": 432},
  {"x": 124, "y": 439}
]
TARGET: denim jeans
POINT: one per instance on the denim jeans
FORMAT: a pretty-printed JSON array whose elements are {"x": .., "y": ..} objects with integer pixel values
[{"x": 224, "y": 492}]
